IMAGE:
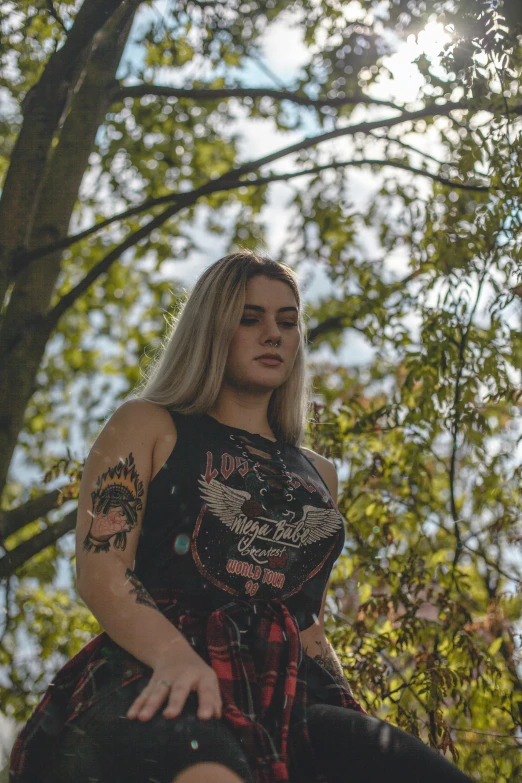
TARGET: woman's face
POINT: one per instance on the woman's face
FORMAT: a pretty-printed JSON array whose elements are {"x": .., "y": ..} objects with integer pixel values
[{"x": 270, "y": 313}]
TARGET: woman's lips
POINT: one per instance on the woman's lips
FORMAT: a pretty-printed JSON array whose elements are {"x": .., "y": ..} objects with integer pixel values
[{"x": 269, "y": 362}]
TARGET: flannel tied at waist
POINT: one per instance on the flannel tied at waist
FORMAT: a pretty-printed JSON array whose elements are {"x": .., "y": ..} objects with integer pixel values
[{"x": 255, "y": 649}]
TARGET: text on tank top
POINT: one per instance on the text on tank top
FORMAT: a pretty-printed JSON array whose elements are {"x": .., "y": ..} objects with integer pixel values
[{"x": 234, "y": 514}]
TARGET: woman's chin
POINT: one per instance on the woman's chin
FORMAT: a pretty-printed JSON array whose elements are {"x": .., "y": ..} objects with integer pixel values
[{"x": 263, "y": 381}]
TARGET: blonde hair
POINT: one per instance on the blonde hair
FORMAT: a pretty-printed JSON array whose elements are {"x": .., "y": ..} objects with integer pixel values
[{"x": 186, "y": 373}]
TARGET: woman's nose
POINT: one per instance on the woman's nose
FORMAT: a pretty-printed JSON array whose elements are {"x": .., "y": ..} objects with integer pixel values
[{"x": 274, "y": 335}]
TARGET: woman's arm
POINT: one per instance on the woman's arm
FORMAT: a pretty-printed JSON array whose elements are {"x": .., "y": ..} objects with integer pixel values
[
  {"x": 111, "y": 505},
  {"x": 318, "y": 647},
  {"x": 313, "y": 639}
]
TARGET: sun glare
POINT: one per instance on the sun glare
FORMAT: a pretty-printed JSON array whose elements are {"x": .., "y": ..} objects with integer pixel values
[
  {"x": 432, "y": 39},
  {"x": 407, "y": 80}
]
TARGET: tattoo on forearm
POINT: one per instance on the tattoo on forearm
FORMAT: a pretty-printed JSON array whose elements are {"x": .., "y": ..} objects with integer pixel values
[
  {"x": 142, "y": 596},
  {"x": 329, "y": 660},
  {"x": 115, "y": 506}
]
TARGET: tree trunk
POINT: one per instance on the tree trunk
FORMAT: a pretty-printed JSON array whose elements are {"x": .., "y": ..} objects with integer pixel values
[
  {"x": 44, "y": 108},
  {"x": 24, "y": 334}
]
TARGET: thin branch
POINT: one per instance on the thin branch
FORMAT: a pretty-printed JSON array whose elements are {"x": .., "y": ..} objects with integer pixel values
[
  {"x": 453, "y": 458},
  {"x": 478, "y": 553},
  {"x": 476, "y": 731},
  {"x": 104, "y": 265},
  {"x": 15, "y": 558},
  {"x": 403, "y": 144},
  {"x": 376, "y": 162},
  {"x": 407, "y": 684},
  {"x": 456, "y": 420},
  {"x": 16, "y": 518},
  {"x": 20, "y": 259},
  {"x": 203, "y": 93},
  {"x": 334, "y": 323},
  {"x": 55, "y": 15},
  {"x": 479, "y": 731},
  {"x": 349, "y": 130}
]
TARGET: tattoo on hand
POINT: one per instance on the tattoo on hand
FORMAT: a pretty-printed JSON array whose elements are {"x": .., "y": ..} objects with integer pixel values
[
  {"x": 142, "y": 596},
  {"x": 115, "y": 505},
  {"x": 329, "y": 661}
]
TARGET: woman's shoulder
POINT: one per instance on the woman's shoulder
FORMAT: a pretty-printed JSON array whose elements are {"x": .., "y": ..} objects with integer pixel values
[
  {"x": 324, "y": 467},
  {"x": 157, "y": 420},
  {"x": 149, "y": 414},
  {"x": 136, "y": 406},
  {"x": 317, "y": 459}
]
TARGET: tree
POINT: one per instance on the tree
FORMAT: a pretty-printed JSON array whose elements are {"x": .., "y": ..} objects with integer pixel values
[{"x": 107, "y": 166}]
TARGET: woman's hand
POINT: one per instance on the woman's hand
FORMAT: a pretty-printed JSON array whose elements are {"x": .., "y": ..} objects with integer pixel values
[{"x": 175, "y": 681}]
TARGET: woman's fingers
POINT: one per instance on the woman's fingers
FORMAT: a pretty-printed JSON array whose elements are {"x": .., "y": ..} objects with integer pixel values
[
  {"x": 152, "y": 696},
  {"x": 208, "y": 696},
  {"x": 177, "y": 698},
  {"x": 155, "y": 693},
  {"x": 209, "y": 700},
  {"x": 136, "y": 706}
]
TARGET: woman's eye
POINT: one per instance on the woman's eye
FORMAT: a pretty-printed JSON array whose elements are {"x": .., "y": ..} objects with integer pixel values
[{"x": 288, "y": 324}]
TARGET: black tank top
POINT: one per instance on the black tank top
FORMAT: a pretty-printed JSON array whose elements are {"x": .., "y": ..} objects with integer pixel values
[{"x": 234, "y": 514}]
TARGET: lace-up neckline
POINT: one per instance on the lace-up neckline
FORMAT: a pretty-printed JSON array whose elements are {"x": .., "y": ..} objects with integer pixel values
[{"x": 269, "y": 464}]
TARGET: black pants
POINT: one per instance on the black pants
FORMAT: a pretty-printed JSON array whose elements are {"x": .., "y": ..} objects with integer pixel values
[
  {"x": 361, "y": 749},
  {"x": 351, "y": 746}
]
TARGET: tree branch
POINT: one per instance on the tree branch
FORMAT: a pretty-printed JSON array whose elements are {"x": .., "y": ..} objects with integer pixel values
[
  {"x": 203, "y": 93},
  {"x": 104, "y": 265},
  {"x": 15, "y": 558},
  {"x": 187, "y": 199},
  {"x": 334, "y": 323},
  {"x": 16, "y": 518},
  {"x": 55, "y": 15},
  {"x": 22, "y": 260},
  {"x": 393, "y": 140},
  {"x": 227, "y": 181},
  {"x": 457, "y": 416},
  {"x": 373, "y": 162},
  {"x": 479, "y": 552}
]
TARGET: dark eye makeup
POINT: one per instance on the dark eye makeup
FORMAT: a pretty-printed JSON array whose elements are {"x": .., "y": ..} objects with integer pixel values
[{"x": 255, "y": 321}]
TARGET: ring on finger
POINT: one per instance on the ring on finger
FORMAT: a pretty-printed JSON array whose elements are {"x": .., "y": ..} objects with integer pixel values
[{"x": 165, "y": 682}]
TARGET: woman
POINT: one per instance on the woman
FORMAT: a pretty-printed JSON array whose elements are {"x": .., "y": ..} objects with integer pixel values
[{"x": 205, "y": 539}]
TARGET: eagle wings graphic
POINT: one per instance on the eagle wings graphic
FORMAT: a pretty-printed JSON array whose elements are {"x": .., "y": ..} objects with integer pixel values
[{"x": 229, "y": 504}]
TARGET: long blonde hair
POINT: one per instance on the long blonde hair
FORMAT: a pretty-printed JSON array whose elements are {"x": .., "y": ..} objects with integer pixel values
[{"x": 186, "y": 372}]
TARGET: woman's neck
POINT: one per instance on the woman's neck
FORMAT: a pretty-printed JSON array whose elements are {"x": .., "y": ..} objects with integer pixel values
[{"x": 252, "y": 420}]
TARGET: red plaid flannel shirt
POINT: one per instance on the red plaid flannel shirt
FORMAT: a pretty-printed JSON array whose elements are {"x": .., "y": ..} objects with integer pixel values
[{"x": 270, "y": 669}]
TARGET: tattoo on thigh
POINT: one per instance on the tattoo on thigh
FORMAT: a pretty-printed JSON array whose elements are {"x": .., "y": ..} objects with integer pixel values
[
  {"x": 142, "y": 596},
  {"x": 116, "y": 502}
]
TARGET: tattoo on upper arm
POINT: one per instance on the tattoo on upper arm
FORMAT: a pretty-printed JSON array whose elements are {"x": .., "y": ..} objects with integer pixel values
[
  {"x": 142, "y": 596},
  {"x": 116, "y": 502}
]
